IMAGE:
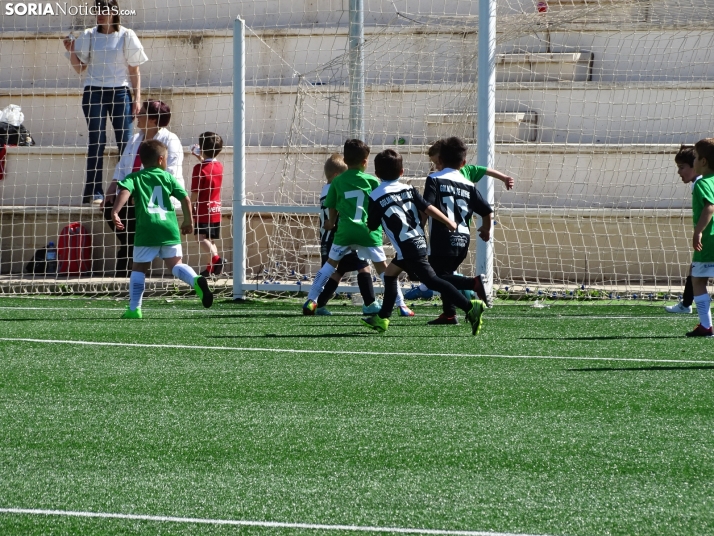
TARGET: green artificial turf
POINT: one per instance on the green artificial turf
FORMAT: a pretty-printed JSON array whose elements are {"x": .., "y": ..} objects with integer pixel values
[{"x": 422, "y": 427}]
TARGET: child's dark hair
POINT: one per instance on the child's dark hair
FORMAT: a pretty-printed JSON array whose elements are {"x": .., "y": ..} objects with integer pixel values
[
  {"x": 388, "y": 165},
  {"x": 452, "y": 152},
  {"x": 356, "y": 152},
  {"x": 211, "y": 144},
  {"x": 158, "y": 111},
  {"x": 435, "y": 149},
  {"x": 685, "y": 155},
  {"x": 705, "y": 149},
  {"x": 109, "y": 7},
  {"x": 150, "y": 151}
]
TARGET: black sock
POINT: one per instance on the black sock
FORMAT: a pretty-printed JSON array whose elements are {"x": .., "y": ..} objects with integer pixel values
[
  {"x": 366, "y": 288},
  {"x": 327, "y": 292},
  {"x": 688, "y": 297},
  {"x": 390, "y": 296},
  {"x": 449, "y": 294}
]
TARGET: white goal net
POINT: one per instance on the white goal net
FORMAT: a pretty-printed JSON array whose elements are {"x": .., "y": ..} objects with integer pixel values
[{"x": 593, "y": 99}]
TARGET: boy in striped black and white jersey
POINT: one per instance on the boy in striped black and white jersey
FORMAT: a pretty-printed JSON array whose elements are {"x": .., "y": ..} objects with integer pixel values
[
  {"x": 455, "y": 195},
  {"x": 396, "y": 207}
]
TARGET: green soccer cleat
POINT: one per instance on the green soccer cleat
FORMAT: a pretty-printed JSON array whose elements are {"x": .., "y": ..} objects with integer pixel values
[
  {"x": 322, "y": 311},
  {"x": 132, "y": 314},
  {"x": 474, "y": 316},
  {"x": 380, "y": 325},
  {"x": 200, "y": 285}
]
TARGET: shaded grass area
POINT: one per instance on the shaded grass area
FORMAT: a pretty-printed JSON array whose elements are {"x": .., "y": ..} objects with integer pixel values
[{"x": 540, "y": 446}]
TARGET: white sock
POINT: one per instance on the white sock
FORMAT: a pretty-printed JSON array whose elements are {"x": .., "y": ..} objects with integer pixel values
[
  {"x": 136, "y": 289},
  {"x": 399, "y": 302},
  {"x": 704, "y": 309},
  {"x": 321, "y": 277},
  {"x": 185, "y": 273}
]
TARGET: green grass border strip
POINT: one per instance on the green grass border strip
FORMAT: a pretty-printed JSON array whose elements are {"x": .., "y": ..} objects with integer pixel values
[
  {"x": 264, "y": 524},
  {"x": 351, "y": 352}
]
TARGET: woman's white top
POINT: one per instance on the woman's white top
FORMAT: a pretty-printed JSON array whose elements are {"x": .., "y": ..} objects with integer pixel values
[
  {"x": 108, "y": 56},
  {"x": 174, "y": 164}
]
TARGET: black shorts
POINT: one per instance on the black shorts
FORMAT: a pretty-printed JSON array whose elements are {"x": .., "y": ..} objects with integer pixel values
[
  {"x": 211, "y": 230},
  {"x": 446, "y": 265},
  {"x": 348, "y": 263},
  {"x": 417, "y": 268}
]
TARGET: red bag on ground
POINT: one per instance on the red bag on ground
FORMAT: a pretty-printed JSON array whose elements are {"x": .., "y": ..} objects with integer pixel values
[{"x": 74, "y": 250}]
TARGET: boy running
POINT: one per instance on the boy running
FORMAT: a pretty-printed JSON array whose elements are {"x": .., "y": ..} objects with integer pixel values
[
  {"x": 450, "y": 192},
  {"x": 157, "y": 229},
  {"x": 348, "y": 196},
  {"x": 334, "y": 166},
  {"x": 685, "y": 162},
  {"x": 703, "y": 239},
  {"x": 396, "y": 207}
]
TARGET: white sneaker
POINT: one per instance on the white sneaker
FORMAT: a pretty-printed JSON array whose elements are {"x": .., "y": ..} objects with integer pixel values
[{"x": 679, "y": 308}]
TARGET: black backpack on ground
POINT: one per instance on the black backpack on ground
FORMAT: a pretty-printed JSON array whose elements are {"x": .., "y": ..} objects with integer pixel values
[{"x": 12, "y": 135}]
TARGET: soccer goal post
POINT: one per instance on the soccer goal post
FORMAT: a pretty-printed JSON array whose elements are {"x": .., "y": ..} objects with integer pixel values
[{"x": 356, "y": 82}]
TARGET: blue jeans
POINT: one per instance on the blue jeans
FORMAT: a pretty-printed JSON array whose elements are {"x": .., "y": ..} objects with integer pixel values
[{"x": 97, "y": 103}]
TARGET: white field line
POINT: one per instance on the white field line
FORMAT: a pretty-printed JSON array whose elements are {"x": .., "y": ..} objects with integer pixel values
[
  {"x": 246, "y": 523},
  {"x": 337, "y": 312},
  {"x": 349, "y": 352}
]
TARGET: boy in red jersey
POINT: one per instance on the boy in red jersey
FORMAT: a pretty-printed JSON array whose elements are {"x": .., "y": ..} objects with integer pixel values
[{"x": 206, "y": 181}]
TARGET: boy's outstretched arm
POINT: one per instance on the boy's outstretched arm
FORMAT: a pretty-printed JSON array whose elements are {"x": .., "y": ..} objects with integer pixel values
[
  {"x": 121, "y": 200},
  {"x": 704, "y": 219},
  {"x": 507, "y": 180},
  {"x": 187, "y": 224},
  {"x": 435, "y": 213}
]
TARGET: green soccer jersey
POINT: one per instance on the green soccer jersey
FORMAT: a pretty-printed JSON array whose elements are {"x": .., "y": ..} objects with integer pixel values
[
  {"x": 349, "y": 195},
  {"x": 704, "y": 192},
  {"x": 156, "y": 222},
  {"x": 473, "y": 173}
]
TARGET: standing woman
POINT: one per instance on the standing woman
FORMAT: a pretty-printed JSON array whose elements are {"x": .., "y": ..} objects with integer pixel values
[
  {"x": 110, "y": 54},
  {"x": 151, "y": 124}
]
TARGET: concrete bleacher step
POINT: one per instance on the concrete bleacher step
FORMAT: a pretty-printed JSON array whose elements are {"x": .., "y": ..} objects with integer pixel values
[
  {"x": 567, "y": 112},
  {"x": 545, "y": 67},
  {"x": 204, "y": 58},
  {"x": 510, "y": 126},
  {"x": 546, "y": 174},
  {"x": 214, "y": 14}
]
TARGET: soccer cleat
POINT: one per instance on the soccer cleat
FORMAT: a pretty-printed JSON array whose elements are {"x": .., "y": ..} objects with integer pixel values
[
  {"x": 373, "y": 308},
  {"x": 443, "y": 320},
  {"x": 379, "y": 325},
  {"x": 309, "y": 308},
  {"x": 132, "y": 314},
  {"x": 480, "y": 290},
  {"x": 405, "y": 311},
  {"x": 701, "y": 331},
  {"x": 474, "y": 316},
  {"x": 415, "y": 293},
  {"x": 217, "y": 266},
  {"x": 322, "y": 311},
  {"x": 679, "y": 308},
  {"x": 204, "y": 293}
]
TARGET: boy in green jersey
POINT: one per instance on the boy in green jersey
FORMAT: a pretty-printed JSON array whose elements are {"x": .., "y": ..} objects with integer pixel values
[
  {"x": 348, "y": 196},
  {"x": 157, "y": 229},
  {"x": 471, "y": 172},
  {"x": 703, "y": 239}
]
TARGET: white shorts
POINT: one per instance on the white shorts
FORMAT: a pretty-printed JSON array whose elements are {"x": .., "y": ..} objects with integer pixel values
[
  {"x": 149, "y": 253},
  {"x": 703, "y": 269},
  {"x": 371, "y": 253}
]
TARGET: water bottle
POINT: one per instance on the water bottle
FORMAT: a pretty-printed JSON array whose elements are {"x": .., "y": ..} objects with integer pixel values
[{"x": 51, "y": 258}]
